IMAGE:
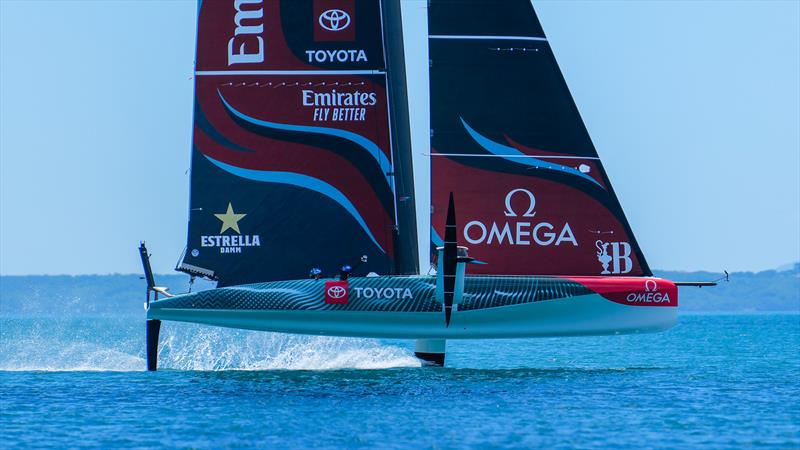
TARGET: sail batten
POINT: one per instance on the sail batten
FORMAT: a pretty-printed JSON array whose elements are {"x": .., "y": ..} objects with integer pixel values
[
  {"x": 289, "y": 72},
  {"x": 469, "y": 155},
  {"x": 490, "y": 38}
]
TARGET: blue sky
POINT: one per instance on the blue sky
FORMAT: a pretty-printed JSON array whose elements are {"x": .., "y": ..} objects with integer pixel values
[{"x": 694, "y": 108}]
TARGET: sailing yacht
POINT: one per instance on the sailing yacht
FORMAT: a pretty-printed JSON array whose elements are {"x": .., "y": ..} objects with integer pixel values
[{"x": 303, "y": 206}]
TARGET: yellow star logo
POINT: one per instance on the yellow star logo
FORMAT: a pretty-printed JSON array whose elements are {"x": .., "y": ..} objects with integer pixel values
[{"x": 230, "y": 220}]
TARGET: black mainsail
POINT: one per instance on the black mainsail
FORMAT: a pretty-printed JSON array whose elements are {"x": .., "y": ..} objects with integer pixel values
[
  {"x": 509, "y": 142},
  {"x": 301, "y": 149}
]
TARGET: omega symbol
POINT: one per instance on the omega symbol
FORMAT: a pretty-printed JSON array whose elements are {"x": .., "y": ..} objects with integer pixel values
[{"x": 509, "y": 212}]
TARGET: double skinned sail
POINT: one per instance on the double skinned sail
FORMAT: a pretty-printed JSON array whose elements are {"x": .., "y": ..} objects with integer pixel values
[
  {"x": 507, "y": 140},
  {"x": 296, "y": 162}
]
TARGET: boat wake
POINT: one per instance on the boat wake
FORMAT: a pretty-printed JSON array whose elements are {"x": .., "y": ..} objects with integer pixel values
[
  {"x": 223, "y": 349},
  {"x": 117, "y": 345}
]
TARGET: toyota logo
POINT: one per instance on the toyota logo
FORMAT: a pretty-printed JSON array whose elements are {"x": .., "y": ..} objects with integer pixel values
[
  {"x": 334, "y": 20},
  {"x": 336, "y": 292}
]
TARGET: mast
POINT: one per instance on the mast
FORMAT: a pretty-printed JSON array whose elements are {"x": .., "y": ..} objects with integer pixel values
[{"x": 407, "y": 260}]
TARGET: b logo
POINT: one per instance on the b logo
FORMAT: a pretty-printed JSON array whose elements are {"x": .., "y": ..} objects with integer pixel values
[
  {"x": 509, "y": 212},
  {"x": 620, "y": 256},
  {"x": 336, "y": 292}
]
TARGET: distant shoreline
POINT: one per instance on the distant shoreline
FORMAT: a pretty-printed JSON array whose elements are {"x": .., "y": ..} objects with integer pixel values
[{"x": 766, "y": 292}]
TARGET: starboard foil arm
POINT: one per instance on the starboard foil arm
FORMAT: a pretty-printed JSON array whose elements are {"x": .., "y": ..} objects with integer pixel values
[
  {"x": 153, "y": 325},
  {"x": 149, "y": 278}
]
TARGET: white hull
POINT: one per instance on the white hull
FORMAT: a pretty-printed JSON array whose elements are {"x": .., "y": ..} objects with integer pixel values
[{"x": 575, "y": 316}]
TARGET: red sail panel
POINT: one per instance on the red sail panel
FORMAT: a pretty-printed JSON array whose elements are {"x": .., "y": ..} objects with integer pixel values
[
  {"x": 248, "y": 35},
  {"x": 633, "y": 291},
  {"x": 521, "y": 225}
]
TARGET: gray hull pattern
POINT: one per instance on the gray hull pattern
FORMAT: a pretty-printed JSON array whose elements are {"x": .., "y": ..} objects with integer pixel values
[{"x": 407, "y": 307}]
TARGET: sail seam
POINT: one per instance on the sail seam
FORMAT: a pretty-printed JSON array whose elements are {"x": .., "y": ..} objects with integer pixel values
[
  {"x": 506, "y": 38},
  {"x": 289, "y": 72},
  {"x": 516, "y": 156}
]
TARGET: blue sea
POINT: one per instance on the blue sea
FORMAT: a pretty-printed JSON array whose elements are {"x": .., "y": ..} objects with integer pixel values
[{"x": 713, "y": 381}]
